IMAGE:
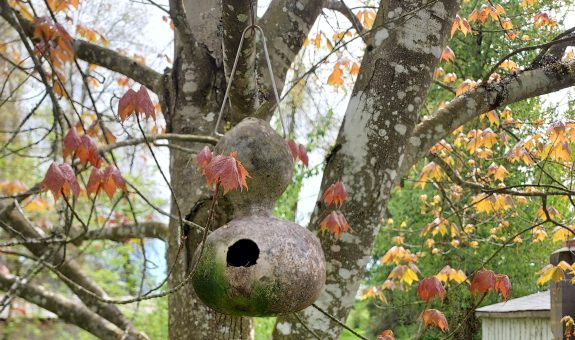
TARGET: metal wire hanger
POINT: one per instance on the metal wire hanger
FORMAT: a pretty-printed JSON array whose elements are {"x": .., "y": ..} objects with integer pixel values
[{"x": 254, "y": 28}]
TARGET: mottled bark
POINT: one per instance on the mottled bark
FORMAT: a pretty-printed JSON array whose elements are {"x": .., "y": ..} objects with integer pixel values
[
  {"x": 237, "y": 15},
  {"x": 384, "y": 106}
]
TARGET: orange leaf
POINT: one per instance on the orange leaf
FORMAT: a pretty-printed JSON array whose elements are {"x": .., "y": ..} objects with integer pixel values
[
  {"x": 503, "y": 285},
  {"x": 483, "y": 281},
  {"x": 386, "y": 335},
  {"x": 335, "y": 223},
  {"x": 336, "y": 194},
  {"x": 335, "y": 76},
  {"x": 430, "y": 288},
  {"x": 447, "y": 55},
  {"x": 435, "y": 318},
  {"x": 87, "y": 151},
  {"x": 293, "y": 148},
  {"x": 108, "y": 180},
  {"x": 136, "y": 102},
  {"x": 144, "y": 103},
  {"x": 227, "y": 171},
  {"x": 94, "y": 181},
  {"x": 60, "y": 178}
]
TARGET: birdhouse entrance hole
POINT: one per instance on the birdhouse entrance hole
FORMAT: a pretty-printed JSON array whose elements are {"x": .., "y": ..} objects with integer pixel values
[{"x": 243, "y": 253}]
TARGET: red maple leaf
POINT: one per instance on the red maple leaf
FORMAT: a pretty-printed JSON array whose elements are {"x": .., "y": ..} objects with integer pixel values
[
  {"x": 61, "y": 178},
  {"x": 303, "y": 155},
  {"x": 136, "y": 102},
  {"x": 503, "y": 285},
  {"x": 71, "y": 142},
  {"x": 227, "y": 171},
  {"x": 108, "y": 180},
  {"x": 204, "y": 157},
  {"x": 336, "y": 194},
  {"x": 87, "y": 151},
  {"x": 293, "y": 148},
  {"x": 483, "y": 281},
  {"x": 430, "y": 288},
  {"x": 335, "y": 223},
  {"x": 298, "y": 151},
  {"x": 435, "y": 318}
]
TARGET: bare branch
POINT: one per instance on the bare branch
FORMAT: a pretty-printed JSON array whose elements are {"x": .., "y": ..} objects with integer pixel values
[
  {"x": 67, "y": 310},
  {"x": 476, "y": 187},
  {"x": 286, "y": 24},
  {"x": 116, "y": 62},
  {"x": 126, "y": 232},
  {"x": 20, "y": 227},
  {"x": 341, "y": 7},
  {"x": 98, "y": 55},
  {"x": 153, "y": 138}
]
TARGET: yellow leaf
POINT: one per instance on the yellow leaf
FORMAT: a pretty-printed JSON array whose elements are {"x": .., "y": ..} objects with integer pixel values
[
  {"x": 509, "y": 65},
  {"x": 492, "y": 117},
  {"x": 467, "y": 85},
  {"x": 562, "y": 234},
  {"x": 449, "y": 78},
  {"x": 506, "y": 24},
  {"x": 550, "y": 272}
]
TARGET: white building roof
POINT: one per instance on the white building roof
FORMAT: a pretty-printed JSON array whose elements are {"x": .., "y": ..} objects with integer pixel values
[{"x": 538, "y": 302}]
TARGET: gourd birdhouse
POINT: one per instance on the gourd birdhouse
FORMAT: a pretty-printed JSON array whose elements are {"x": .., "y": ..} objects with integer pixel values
[{"x": 256, "y": 264}]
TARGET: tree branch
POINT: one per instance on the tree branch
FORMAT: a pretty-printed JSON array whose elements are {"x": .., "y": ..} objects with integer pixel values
[
  {"x": 476, "y": 187},
  {"x": 286, "y": 24},
  {"x": 236, "y": 16},
  {"x": 98, "y": 55},
  {"x": 69, "y": 311},
  {"x": 153, "y": 138},
  {"x": 341, "y": 7},
  {"x": 126, "y": 232},
  {"x": 116, "y": 62},
  {"x": 462, "y": 109},
  {"x": 20, "y": 227}
]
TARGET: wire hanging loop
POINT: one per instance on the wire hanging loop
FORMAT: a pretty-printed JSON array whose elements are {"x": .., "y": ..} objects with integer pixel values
[{"x": 254, "y": 28}]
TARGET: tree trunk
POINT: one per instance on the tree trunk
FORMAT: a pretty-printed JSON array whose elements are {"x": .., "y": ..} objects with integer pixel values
[
  {"x": 391, "y": 88},
  {"x": 196, "y": 90}
]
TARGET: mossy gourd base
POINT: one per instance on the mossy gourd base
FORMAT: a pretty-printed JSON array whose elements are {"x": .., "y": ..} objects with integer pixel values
[{"x": 275, "y": 268}]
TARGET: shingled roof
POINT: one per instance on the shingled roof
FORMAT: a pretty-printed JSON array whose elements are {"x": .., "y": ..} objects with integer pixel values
[{"x": 538, "y": 304}]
